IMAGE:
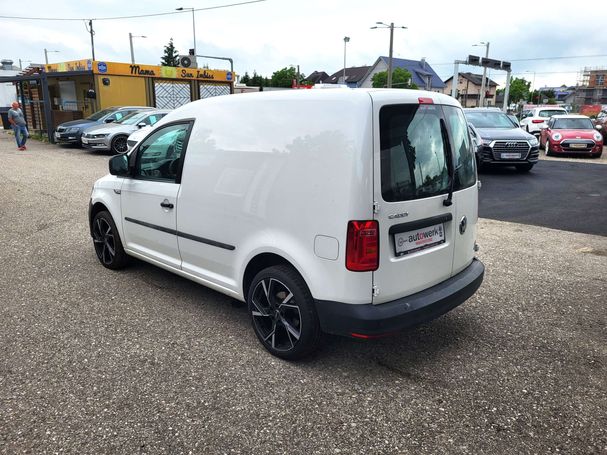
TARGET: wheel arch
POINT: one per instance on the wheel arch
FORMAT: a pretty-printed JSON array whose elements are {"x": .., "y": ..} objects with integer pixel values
[
  {"x": 93, "y": 211},
  {"x": 260, "y": 262}
]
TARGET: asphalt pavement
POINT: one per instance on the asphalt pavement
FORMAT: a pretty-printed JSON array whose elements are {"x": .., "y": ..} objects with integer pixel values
[
  {"x": 141, "y": 361},
  {"x": 565, "y": 194}
]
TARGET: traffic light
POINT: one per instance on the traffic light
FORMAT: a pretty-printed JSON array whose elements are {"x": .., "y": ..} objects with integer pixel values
[
  {"x": 491, "y": 63},
  {"x": 506, "y": 66},
  {"x": 474, "y": 60}
]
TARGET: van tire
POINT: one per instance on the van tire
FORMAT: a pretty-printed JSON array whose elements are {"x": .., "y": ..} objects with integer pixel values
[
  {"x": 107, "y": 243},
  {"x": 272, "y": 311}
]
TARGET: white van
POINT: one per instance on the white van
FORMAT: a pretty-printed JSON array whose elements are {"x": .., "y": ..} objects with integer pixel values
[{"x": 350, "y": 212}]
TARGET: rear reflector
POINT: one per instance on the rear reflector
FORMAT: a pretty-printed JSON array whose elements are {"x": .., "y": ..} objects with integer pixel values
[
  {"x": 423, "y": 100},
  {"x": 362, "y": 246},
  {"x": 538, "y": 121}
]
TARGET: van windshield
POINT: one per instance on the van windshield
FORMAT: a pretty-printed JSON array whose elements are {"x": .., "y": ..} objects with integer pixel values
[{"x": 413, "y": 158}]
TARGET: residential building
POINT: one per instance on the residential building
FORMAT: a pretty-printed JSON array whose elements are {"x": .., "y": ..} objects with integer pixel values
[
  {"x": 469, "y": 89},
  {"x": 317, "y": 77},
  {"x": 354, "y": 76},
  {"x": 422, "y": 73}
]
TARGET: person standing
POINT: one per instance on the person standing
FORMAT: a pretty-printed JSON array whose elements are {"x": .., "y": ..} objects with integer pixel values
[{"x": 17, "y": 121}]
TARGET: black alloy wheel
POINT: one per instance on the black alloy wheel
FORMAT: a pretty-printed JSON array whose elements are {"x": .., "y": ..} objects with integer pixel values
[
  {"x": 106, "y": 241},
  {"x": 120, "y": 145},
  {"x": 283, "y": 313}
]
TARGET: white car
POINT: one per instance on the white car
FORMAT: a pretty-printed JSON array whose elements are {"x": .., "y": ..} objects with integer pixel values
[
  {"x": 359, "y": 221},
  {"x": 137, "y": 136},
  {"x": 538, "y": 116}
]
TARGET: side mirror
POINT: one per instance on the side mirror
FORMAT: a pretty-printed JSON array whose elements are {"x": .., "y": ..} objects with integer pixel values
[
  {"x": 109, "y": 120},
  {"x": 141, "y": 124},
  {"x": 119, "y": 165},
  {"x": 599, "y": 127}
]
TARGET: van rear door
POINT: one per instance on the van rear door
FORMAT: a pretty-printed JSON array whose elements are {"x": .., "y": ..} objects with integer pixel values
[{"x": 412, "y": 163}]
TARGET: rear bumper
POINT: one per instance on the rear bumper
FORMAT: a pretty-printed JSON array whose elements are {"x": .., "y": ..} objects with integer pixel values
[{"x": 370, "y": 320}]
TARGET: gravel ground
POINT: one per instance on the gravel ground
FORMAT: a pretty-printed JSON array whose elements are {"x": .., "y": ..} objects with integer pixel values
[{"x": 142, "y": 361}]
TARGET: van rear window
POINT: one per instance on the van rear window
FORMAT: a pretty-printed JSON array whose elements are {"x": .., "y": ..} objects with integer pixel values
[{"x": 413, "y": 158}]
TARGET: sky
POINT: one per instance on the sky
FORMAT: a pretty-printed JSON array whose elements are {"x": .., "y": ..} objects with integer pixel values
[{"x": 270, "y": 35}]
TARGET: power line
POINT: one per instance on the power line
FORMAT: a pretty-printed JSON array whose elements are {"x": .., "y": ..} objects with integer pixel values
[{"x": 127, "y": 17}]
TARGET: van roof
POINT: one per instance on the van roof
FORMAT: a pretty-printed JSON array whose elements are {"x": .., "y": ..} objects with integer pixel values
[{"x": 404, "y": 96}]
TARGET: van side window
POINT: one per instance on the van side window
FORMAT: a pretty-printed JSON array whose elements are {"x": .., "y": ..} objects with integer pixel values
[
  {"x": 413, "y": 158},
  {"x": 463, "y": 155},
  {"x": 159, "y": 156}
]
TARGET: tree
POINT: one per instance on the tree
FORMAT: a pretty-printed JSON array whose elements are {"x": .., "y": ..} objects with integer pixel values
[
  {"x": 245, "y": 79},
  {"x": 538, "y": 96},
  {"x": 519, "y": 90},
  {"x": 171, "y": 55},
  {"x": 284, "y": 77},
  {"x": 257, "y": 80},
  {"x": 401, "y": 78}
]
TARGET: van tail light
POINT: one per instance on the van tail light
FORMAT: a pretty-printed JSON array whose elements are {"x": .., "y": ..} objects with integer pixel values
[
  {"x": 362, "y": 246},
  {"x": 424, "y": 100},
  {"x": 537, "y": 121}
]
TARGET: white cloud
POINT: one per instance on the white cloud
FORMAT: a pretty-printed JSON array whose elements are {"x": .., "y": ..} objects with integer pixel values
[{"x": 276, "y": 33}]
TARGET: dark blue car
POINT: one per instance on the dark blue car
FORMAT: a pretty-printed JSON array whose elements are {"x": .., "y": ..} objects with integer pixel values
[{"x": 71, "y": 132}]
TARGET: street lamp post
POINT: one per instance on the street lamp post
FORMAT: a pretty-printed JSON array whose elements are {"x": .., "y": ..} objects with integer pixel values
[
  {"x": 482, "y": 97},
  {"x": 131, "y": 36},
  {"x": 46, "y": 52},
  {"x": 346, "y": 40},
  {"x": 532, "y": 84},
  {"x": 193, "y": 23},
  {"x": 391, "y": 27}
]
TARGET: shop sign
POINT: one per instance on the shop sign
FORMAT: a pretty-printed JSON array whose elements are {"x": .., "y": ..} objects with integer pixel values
[{"x": 127, "y": 69}]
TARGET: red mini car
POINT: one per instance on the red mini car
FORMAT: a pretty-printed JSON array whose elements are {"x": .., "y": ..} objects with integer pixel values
[{"x": 571, "y": 134}]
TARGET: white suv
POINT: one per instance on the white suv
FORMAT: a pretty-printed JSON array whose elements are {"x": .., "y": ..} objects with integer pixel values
[
  {"x": 539, "y": 116},
  {"x": 351, "y": 212}
]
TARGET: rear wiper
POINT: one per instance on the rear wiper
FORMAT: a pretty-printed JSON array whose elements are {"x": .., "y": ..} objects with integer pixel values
[{"x": 450, "y": 168}]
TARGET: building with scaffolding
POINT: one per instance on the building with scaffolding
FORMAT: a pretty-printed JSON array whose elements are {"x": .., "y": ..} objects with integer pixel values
[{"x": 592, "y": 86}]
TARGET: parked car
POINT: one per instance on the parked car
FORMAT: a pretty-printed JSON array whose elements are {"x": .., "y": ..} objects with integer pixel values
[
  {"x": 601, "y": 120},
  {"x": 539, "y": 116},
  {"x": 137, "y": 135},
  {"x": 71, "y": 132},
  {"x": 360, "y": 221},
  {"x": 514, "y": 120},
  {"x": 571, "y": 134},
  {"x": 113, "y": 136},
  {"x": 502, "y": 142}
]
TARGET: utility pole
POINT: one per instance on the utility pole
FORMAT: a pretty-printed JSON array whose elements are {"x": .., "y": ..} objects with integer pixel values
[
  {"x": 391, "y": 27},
  {"x": 131, "y": 44},
  {"x": 92, "y": 32},
  {"x": 131, "y": 36},
  {"x": 46, "y": 51},
  {"x": 482, "y": 94},
  {"x": 346, "y": 40},
  {"x": 193, "y": 10},
  {"x": 507, "y": 91},
  {"x": 390, "y": 55}
]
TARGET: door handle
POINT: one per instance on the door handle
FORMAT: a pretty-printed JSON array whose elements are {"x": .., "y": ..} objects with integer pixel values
[{"x": 166, "y": 204}]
